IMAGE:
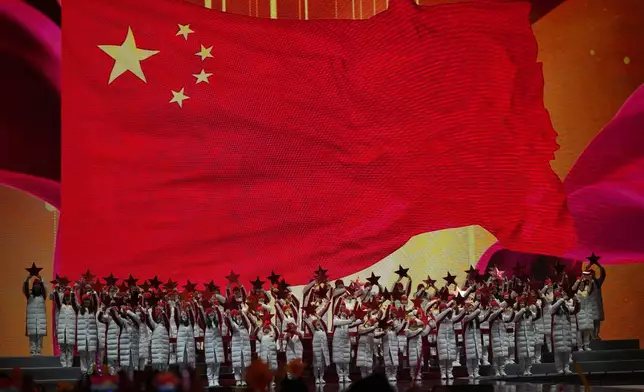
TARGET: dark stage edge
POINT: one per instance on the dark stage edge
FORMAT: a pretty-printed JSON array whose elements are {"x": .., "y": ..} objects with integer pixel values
[{"x": 610, "y": 363}]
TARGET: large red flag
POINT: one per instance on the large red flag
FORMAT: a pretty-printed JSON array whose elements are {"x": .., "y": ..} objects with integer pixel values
[{"x": 196, "y": 142}]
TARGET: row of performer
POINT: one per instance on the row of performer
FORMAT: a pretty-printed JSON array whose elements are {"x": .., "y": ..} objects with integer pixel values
[{"x": 491, "y": 319}]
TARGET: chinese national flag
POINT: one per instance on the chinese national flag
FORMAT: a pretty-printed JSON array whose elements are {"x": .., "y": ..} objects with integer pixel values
[{"x": 196, "y": 142}]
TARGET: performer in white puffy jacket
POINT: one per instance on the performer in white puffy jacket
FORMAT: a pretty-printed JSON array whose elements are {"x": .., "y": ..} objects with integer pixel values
[
  {"x": 240, "y": 344},
  {"x": 341, "y": 343},
  {"x": 172, "y": 311},
  {"x": 36, "y": 318},
  {"x": 107, "y": 316},
  {"x": 415, "y": 332},
  {"x": 186, "y": 346},
  {"x": 390, "y": 348},
  {"x": 320, "y": 346},
  {"x": 587, "y": 310},
  {"x": 66, "y": 326},
  {"x": 498, "y": 342},
  {"x": 267, "y": 346},
  {"x": 285, "y": 316},
  {"x": 86, "y": 333},
  {"x": 446, "y": 340},
  {"x": 293, "y": 341},
  {"x": 158, "y": 322},
  {"x": 144, "y": 333},
  {"x": 212, "y": 321},
  {"x": 472, "y": 338},
  {"x": 366, "y": 347},
  {"x": 543, "y": 326},
  {"x": 561, "y": 332},
  {"x": 128, "y": 342},
  {"x": 524, "y": 334}
]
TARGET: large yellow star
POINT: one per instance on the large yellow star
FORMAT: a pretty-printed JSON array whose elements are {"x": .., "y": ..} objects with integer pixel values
[
  {"x": 204, "y": 53},
  {"x": 202, "y": 77},
  {"x": 127, "y": 57},
  {"x": 178, "y": 97},
  {"x": 184, "y": 30}
]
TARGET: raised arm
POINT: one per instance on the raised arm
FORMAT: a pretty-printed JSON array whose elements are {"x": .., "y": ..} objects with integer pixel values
[
  {"x": 471, "y": 316},
  {"x": 25, "y": 287},
  {"x": 602, "y": 275}
]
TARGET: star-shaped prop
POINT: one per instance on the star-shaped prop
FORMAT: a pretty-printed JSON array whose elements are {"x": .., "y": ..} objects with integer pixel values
[
  {"x": 257, "y": 284},
  {"x": 386, "y": 295},
  {"x": 155, "y": 283},
  {"x": 373, "y": 279},
  {"x": 123, "y": 288},
  {"x": 282, "y": 289},
  {"x": 131, "y": 281},
  {"x": 418, "y": 302},
  {"x": 145, "y": 286},
  {"x": 63, "y": 281},
  {"x": 559, "y": 268},
  {"x": 497, "y": 273},
  {"x": 88, "y": 277},
  {"x": 460, "y": 299},
  {"x": 400, "y": 313},
  {"x": 212, "y": 287},
  {"x": 429, "y": 282},
  {"x": 273, "y": 278},
  {"x": 472, "y": 272},
  {"x": 593, "y": 258},
  {"x": 359, "y": 312},
  {"x": 110, "y": 280},
  {"x": 372, "y": 305},
  {"x": 450, "y": 279},
  {"x": 97, "y": 286},
  {"x": 402, "y": 272},
  {"x": 322, "y": 291},
  {"x": 33, "y": 270},
  {"x": 233, "y": 277},
  {"x": 320, "y": 275},
  {"x": 56, "y": 281},
  {"x": 309, "y": 309},
  {"x": 170, "y": 285},
  {"x": 189, "y": 287}
]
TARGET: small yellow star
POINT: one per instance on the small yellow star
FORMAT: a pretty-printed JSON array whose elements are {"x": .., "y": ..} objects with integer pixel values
[
  {"x": 127, "y": 57},
  {"x": 204, "y": 53},
  {"x": 202, "y": 77},
  {"x": 178, "y": 97},
  {"x": 184, "y": 30}
]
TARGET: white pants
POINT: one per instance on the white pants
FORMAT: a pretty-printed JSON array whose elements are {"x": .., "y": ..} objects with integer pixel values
[
  {"x": 87, "y": 360},
  {"x": 318, "y": 373},
  {"x": 473, "y": 367},
  {"x": 343, "y": 371},
  {"x": 562, "y": 362},
  {"x": 525, "y": 366},
  {"x": 365, "y": 371},
  {"x": 498, "y": 364},
  {"x": 446, "y": 367},
  {"x": 584, "y": 339},
  {"x": 100, "y": 354},
  {"x": 66, "y": 355},
  {"x": 240, "y": 373},
  {"x": 173, "y": 353},
  {"x": 112, "y": 366},
  {"x": 35, "y": 344},
  {"x": 212, "y": 371},
  {"x": 391, "y": 372}
]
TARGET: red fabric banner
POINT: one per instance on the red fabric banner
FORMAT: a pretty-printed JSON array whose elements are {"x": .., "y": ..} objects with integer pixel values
[{"x": 196, "y": 142}]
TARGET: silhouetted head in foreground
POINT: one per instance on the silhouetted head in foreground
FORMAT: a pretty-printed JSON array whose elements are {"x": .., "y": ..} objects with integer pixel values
[{"x": 374, "y": 383}]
